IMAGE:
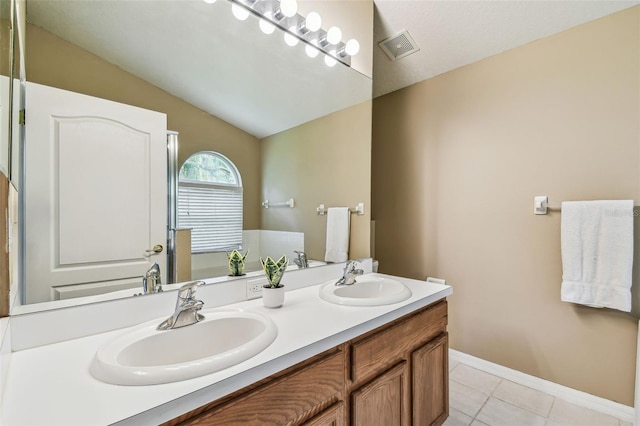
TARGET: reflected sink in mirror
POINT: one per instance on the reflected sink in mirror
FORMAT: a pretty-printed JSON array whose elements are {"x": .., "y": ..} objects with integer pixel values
[
  {"x": 146, "y": 356},
  {"x": 368, "y": 290}
]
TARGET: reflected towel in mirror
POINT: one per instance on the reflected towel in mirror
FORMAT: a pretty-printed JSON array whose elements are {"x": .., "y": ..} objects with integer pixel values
[{"x": 338, "y": 222}]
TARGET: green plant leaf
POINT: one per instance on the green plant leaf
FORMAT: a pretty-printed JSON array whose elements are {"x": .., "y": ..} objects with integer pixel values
[
  {"x": 274, "y": 270},
  {"x": 236, "y": 262}
]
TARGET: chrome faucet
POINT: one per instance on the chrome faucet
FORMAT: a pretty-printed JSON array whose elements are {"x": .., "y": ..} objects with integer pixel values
[
  {"x": 187, "y": 307},
  {"x": 152, "y": 280},
  {"x": 350, "y": 273},
  {"x": 301, "y": 261}
]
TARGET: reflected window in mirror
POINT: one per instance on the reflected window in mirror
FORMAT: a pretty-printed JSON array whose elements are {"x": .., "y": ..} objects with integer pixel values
[{"x": 210, "y": 202}]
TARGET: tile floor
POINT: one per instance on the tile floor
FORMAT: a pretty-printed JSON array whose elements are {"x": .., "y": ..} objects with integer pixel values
[{"x": 477, "y": 398}]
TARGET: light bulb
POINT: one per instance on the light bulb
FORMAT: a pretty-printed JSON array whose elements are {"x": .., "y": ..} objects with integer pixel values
[
  {"x": 265, "y": 24},
  {"x": 313, "y": 21},
  {"x": 290, "y": 39},
  {"x": 352, "y": 47},
  {"x": 239, "y": 12},
  {"x": 210, "y": 1},
  {"x": 330, "y": 60},
  {"x": 288, "y": 7},
  {"x": 334, "y": 35},
  {"x": 312, "y": 52}
]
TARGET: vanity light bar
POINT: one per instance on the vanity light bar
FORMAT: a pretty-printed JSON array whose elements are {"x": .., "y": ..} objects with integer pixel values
[{"x": 296, "y": 30}]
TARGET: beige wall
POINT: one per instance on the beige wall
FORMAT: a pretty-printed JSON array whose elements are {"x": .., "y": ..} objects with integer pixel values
[
  {"x": 5, "y": 45},
  {"x": 325, "y": 161},
  {"x": 55, "y": 62},
  {"x": 457, "y": 160}
]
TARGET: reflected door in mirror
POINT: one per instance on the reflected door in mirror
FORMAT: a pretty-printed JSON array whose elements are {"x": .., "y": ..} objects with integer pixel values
[{"x": 96, "y": 202}]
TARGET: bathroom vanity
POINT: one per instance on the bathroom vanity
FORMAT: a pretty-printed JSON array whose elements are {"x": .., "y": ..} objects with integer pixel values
[
  {"x": 330, "y": 364},
  {"x": 396, "y": 374}
]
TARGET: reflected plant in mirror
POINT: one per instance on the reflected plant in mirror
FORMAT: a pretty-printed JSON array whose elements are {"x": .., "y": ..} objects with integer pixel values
[{"x": 236, "y": 263}]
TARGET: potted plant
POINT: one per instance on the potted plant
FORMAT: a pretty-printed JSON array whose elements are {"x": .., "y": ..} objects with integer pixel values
[
  {"x": 273, "y": 293},
  {"x": 236, "y": 263}
]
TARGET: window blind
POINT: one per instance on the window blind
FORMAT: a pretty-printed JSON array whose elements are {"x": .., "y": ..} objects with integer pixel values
[{"x": 214, "y": 214}]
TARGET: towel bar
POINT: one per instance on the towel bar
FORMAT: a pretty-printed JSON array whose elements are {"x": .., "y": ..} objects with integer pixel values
[
  {"x": 541, "y": 206},
  {"x": 359, "y": 209},
  {"x": 290, "y": 203}
]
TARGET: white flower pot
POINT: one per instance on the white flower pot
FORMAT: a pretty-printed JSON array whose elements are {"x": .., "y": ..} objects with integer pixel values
[{"x": 273, "y": 297}]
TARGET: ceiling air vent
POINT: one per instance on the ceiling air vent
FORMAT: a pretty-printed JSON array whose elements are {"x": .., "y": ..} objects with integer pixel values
[{"x": 398, "y": 46}]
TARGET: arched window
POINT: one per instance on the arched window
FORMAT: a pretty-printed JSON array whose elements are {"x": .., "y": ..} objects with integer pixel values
[{"x": 210, "y": 202}]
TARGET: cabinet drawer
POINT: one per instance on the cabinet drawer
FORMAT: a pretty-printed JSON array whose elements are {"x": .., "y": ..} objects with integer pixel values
[
  {"x": 386, "y": 347},
  {"x": 285, "y": 401}
]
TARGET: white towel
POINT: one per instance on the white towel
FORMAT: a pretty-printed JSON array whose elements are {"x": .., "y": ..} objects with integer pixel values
[
  {"x": 597, "y": 253},
  {"x": 337, "y": 234}
]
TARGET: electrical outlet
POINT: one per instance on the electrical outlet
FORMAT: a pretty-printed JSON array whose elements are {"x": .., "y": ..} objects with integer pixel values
[{"x": 254, "y": 288}]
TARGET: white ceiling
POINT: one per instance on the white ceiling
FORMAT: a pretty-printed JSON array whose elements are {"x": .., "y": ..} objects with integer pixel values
[
  {"x": 200, "y": 53},
  {"x": 451, "y": 34}
]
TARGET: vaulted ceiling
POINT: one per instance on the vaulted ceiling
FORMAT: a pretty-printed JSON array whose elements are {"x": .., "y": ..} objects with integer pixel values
[{"x": 200, "y": 53}]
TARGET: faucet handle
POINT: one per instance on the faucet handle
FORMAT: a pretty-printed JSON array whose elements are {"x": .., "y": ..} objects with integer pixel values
[{"x": 188, "y": 291}]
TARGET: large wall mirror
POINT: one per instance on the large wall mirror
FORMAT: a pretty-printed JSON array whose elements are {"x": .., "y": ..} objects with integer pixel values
[{"x": 226, "y": 98}]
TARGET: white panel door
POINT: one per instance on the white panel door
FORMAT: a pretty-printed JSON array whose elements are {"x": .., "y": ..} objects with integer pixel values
[{"x": 96, "y": 192}]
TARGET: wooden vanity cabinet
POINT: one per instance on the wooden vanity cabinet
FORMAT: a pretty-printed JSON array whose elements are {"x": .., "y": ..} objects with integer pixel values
[
  {"x": 407, "y": 363},
  {"x": 395, "y": 375}
]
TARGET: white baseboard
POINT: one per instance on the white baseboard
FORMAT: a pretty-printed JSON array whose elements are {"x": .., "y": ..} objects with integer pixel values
[{"x": 568, "y": 394}]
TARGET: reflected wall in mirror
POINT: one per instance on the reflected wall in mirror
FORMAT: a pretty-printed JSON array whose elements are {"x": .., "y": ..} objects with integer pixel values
[
  {"x": 293, "y": 128},
  {"x": 6, "y": 57},
  {"x": 5, "y": 78},
  {"x": 11, "y": 72}
]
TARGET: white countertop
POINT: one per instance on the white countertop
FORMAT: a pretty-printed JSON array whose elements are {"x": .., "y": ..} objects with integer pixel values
[{"x": 51, "y": 385}]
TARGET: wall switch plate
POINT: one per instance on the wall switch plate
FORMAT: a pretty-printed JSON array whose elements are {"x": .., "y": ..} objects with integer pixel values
[{"x": 254, "y": 287}]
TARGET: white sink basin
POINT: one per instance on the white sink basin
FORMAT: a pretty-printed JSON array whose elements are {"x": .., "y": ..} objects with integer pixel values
[
  {"x": 368, "y": 290},
  {"x": 146, "y": 356}
]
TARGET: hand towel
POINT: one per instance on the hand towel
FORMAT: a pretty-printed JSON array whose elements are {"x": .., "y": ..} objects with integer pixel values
[
  {"x": 337, "y": 249},
  {"x": 597, "y": 253}
]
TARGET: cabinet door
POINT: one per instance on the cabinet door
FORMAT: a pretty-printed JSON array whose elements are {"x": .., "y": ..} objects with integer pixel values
[
  {"x": 332, "y": 416},
  {"x": 430, "y": 382},
  {"x": 383, "y": 401}
]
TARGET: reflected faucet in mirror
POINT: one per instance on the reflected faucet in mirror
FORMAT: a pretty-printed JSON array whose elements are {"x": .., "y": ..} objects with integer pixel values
[
  {"x": 152, "y": 280},
  {"x": 301, "y": 260}
]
